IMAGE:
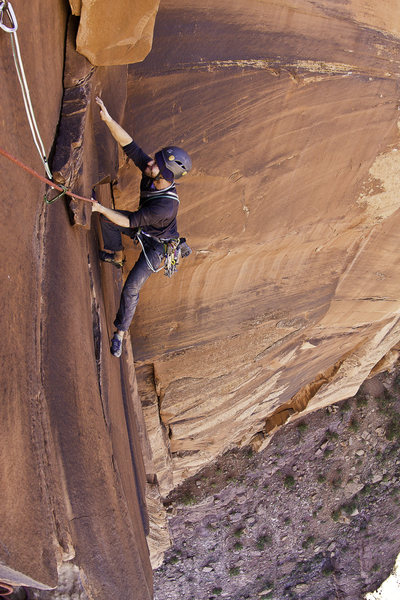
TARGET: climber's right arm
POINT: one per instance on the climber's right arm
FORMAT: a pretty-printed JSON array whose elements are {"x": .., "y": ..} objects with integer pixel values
[
  {"x": 119, "y": 134},
  {"x": 111, "y": 214}
]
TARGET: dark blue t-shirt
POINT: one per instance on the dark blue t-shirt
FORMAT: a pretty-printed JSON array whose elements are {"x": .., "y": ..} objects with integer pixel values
[{"x": 157, "y": 211}]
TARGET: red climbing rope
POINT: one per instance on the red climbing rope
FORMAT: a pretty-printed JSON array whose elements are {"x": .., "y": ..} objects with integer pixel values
[{"x": 43, "y": 179}]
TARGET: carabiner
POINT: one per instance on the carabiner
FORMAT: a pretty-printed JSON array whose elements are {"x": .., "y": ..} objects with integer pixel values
[
  {"x": 8, "y": 589},
  {"x": 6, "y": 7},
  {"x": 55, "y": 197}
]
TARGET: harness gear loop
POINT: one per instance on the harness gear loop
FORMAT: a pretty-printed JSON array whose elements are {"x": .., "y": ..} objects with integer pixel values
[
  {"x": 172, "y": 253},
  {"x": 5, "y": 7}
]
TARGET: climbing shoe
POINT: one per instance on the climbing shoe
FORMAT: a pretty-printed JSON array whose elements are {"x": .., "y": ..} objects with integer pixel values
[
  {"x": 116, "y": 345},
  {"x": 110, "y": 258}
]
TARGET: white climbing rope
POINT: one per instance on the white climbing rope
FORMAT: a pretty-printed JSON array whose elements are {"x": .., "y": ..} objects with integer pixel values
[{"x": 7, "y": 9}]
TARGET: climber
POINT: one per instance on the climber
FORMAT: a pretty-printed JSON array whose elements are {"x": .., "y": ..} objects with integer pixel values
[{"x": 153, "y": 224}]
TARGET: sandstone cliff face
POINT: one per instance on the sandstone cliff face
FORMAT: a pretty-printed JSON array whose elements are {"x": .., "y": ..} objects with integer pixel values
[
  {"x": 115, "y": 33},
  {"x": 71, "y": 468},
  {"x": 290, "y": 111}
]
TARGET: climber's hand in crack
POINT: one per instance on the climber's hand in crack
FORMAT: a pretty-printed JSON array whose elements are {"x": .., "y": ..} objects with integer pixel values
[
  {"x": 112, "y": 215},
  {"x": 119, "y": 134},
  {"x": 104, "y": 114},
  {"x": 95, "y": 205}
]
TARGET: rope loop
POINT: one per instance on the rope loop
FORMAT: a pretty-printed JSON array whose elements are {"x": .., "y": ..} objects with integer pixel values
[{"x": 5, "y": 7}]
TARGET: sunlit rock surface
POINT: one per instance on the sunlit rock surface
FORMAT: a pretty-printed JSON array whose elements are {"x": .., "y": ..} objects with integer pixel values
[
  {"x": 289, "y": 300},
  {"x": 71, "y": 468},
  {"x": 115, "y": 33},
  {"x": 291, "y": 296}
]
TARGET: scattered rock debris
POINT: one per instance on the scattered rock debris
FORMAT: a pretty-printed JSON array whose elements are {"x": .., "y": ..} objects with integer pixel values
[{"x": 315, "y": 515}]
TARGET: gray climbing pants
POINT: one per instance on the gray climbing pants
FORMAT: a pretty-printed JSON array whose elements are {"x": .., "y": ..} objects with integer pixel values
[{"x": 140, "y": 272}]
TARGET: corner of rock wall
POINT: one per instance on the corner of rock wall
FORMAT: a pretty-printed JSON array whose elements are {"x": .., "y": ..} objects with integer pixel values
[{"x": 86, "y": 158}]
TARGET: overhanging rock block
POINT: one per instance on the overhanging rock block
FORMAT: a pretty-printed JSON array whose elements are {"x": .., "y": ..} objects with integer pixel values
[{"x": 115, "y": 33}]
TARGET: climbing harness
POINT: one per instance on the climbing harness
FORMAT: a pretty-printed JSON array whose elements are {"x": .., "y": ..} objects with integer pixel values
[
  {"x": 6, "y": 10},
  {"x": 172, "y": 253}
]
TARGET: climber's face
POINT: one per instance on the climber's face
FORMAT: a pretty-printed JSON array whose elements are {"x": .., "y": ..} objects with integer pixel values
[{"x": 152, "y": 169}]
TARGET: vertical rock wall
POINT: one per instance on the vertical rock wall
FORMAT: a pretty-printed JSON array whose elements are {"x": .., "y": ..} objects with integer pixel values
[
  {"x": 72, "y": 473},
  {"x": 27, "y": 526},
  {"x": 290, "y": 112}
]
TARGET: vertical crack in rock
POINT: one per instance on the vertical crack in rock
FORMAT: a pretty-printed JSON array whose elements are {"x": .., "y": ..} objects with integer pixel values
[
  {"x": 40, "y": 419},
  {"x": 96, "y": 323},
  {"x": 68, "y": 157},
  {"x": 160, "y": 393},
  {"x": 67, "y": 164},
  {"x": 97, "y": 337}
]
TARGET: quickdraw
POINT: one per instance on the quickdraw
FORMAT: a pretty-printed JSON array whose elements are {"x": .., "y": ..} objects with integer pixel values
[
  {"x": 172, "y": 253},
  {"x": 5, "y": 7},
  {"x": 51, "y": 184}
]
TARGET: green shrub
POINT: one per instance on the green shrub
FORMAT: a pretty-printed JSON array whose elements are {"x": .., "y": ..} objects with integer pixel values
[
  {"x": 263, "y": 540},
  {"x": 393, "y": 428},
  {"x": 350, "y": 507},
  {"x": 308, "y": 542},
  {"x": 366, "y": 489},
  {"x": 188, "y": 499},
  {"x": 362, "y": 401},
  {"x": 234, "y": 571},
  {"x": 354, "y": 424},
  {"x": 289, "y": 481},
  {"x": 336, "y": 514},
  {"x": 302, "y": 427},
  {"x": 239, "y": 532},
  {"x": 385, "y": 403},
  {"x": 217, "y": 591},
  {"x": 327, "y": 570}
]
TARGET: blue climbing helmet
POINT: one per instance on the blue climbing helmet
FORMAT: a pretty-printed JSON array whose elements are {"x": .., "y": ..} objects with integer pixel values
[{"x": 173, "y": 162}]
